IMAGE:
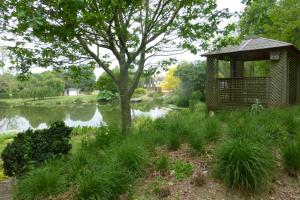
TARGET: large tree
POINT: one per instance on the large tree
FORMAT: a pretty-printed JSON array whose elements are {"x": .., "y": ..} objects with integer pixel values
[{"x": 102, "y": 32}]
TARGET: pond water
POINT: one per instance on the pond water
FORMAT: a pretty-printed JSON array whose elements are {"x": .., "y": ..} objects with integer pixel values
[{"x": 21, "y": 118}]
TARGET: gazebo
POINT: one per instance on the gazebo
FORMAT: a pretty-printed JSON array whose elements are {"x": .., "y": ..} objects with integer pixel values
[{"x": 280, "y": 88}]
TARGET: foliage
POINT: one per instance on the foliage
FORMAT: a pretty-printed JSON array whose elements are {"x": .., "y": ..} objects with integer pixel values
[
  {"x": 162, "y": 164},
  {"x": 105, "y": 82},
  {"x": 171, "y": 82},
  {"x": 33, "y": 148},
  {"x": 196, "y": 142},
  {"x": 212, "y": 129},
  {"x": 174, "y": 142},
  {"x": 98, "y": 32},
  {"x": 269, "y": 18},
  {"x": 182, "y": 170},
  {"x": 244, "y": 165},
  {"x": 41, "y": 183},
  {"x": 106, "y": 95},
  {"x": 140, "y": 91},
  {"x": 192, "y": 76},
  {"x": 291, "y": 156},
  {"x": 257, "y": 107},
  {"x": 81, "y": 77}
]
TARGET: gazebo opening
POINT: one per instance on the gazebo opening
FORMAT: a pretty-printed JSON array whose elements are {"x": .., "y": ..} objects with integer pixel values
[{"x": 258, "y": 69}]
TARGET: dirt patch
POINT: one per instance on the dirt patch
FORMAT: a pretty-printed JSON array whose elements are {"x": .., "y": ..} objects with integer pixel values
[
  {"x": 6, "y": 189},
  {"x": 283, "y": 188}
]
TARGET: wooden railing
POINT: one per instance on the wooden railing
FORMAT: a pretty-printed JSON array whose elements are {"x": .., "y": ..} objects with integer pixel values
[{"x": 242, "y": 91}]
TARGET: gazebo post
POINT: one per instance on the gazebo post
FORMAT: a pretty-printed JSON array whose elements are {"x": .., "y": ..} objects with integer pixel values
[{"x": 211, "y": 82}]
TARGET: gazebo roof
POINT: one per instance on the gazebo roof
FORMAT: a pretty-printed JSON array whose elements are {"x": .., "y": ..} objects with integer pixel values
[{"x": 251, "y": 44}]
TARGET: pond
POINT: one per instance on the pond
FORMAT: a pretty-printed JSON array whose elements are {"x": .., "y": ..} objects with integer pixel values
[{"x": 16, "y": 119}]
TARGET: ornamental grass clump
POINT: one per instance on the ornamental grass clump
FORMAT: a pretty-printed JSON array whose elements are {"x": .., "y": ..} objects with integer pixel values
[
  {"x": 244, "y": 165},
  {"x": 291, "y": 156},
  {"x": 212, "y": 129}
]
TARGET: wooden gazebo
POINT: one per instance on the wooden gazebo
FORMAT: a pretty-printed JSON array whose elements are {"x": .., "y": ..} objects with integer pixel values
[{"x": 280, "y": 88}]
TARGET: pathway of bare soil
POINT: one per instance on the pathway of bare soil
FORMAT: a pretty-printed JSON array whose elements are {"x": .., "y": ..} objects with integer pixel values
[
  {"x": 208, "y": 188},
  {"x": 6, "y": 190}
]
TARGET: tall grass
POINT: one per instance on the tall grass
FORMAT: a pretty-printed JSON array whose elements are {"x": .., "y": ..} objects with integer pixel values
[
  {"x": 244, "y": 165},
  {"x": 41, "y": 183},
  {"x": 291, "y": 156}
]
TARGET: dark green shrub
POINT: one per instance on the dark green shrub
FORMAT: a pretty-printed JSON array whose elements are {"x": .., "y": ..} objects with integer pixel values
[
  {"x": 33, "y": 148},
  {"x": 244, "y": 165},
  {"x": 162, "y": 164},
  {"x": 106, "y": 96},
  {"x": 291, "y": 156}
]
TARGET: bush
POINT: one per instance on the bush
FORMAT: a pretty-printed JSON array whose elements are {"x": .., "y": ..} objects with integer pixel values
[
  {"x": 139, "y": 91},
  {"x": 33, "y": 148},
  {"x": 244, "y": 165},
  {"x": 106, "y": 96},
  {"x": 41, "y": 183},
  {"x": 291, "y": 156}
]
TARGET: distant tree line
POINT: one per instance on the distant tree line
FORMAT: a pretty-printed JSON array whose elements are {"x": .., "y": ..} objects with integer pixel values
[{"x": 47, "y": 84}]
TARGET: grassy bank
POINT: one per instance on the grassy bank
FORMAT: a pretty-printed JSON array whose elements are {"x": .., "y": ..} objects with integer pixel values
[
  {"x": 50, "y": 101},
  {"x": 247, "y": 151}
]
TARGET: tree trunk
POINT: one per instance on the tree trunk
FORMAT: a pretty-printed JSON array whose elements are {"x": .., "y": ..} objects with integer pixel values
[{"x": 125, "y": 112}]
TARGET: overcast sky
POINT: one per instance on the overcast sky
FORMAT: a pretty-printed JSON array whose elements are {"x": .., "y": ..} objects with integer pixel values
[{"x": 232, "y": 5}]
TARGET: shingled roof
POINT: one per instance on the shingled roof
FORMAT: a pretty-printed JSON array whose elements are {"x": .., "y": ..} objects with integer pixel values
[{"x": 254, "y": 43}]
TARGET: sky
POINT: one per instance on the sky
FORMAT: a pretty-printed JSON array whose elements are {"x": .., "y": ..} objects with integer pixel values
[{"x": 232, "y": 5}]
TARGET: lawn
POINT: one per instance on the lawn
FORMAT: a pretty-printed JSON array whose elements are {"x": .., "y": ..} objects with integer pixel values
[
  {"x": 186, "y": 155},
  {"x": 50, "y": 101}
]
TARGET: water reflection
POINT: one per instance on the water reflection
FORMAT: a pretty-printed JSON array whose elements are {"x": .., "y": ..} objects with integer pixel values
[{"x": 23, "y": 118}]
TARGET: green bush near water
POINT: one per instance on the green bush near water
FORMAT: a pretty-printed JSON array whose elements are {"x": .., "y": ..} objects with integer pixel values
[{"x": 33, "y": 148}]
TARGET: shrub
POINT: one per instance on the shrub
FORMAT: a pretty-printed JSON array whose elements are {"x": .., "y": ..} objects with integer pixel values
[
  {"x": 139, "y": 91},
  {"x": 162, "y": 164},
  {"x": 291, "y": 156},
  {"x": 244, "y": 165},
  {"x": 32, "y": 148},
  {"x": 41, "y": 183},
  {"x": 106, "y": 96},
  {"x": 182, "y": 170}
]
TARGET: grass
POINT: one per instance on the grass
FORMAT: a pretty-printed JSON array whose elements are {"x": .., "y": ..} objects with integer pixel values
[
  {"x": 104, "y": 164},
  {"x": 244, "y": 165},
  {"x": 291, "y": 156},
  {"x": 50, "y": 101}
]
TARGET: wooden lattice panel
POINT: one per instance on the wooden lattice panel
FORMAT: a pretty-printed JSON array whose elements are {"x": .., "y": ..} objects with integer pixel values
[
  {"x": 277, "y": 81},
  {"x": 292, "y": 79},
  {"x": 242, "y": 91},
  {"x": 212, "y": 70}
]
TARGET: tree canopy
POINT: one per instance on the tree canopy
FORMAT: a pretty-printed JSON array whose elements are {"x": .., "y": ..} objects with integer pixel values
[
  {"x": 130, "y": 32},
  {"x": 278, "y": 20}
]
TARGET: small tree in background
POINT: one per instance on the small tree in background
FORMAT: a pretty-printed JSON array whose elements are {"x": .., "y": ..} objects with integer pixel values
[{"x": 129, "y": 32}]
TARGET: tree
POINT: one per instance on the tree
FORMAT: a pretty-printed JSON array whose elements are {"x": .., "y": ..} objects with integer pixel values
[
  {"x": 192, "y": 76},
  {"x": 256, "y": 16},
  {"x": 100, "y": 32},
  {"x": 171, "y": 81},
  {"x": 81, "y": 77},
  {"x": 285, "y": 22},
  {"x": 105, "y": 82}
]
